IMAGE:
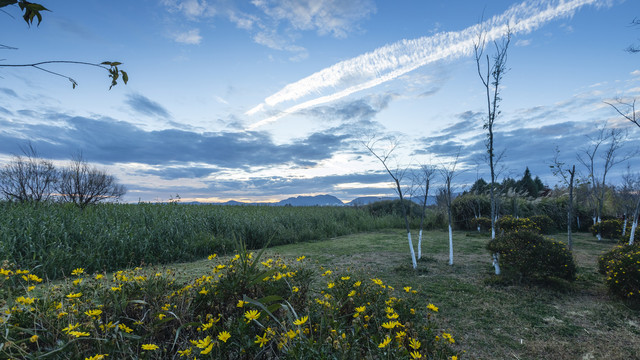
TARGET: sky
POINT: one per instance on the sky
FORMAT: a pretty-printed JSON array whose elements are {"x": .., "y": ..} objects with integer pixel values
[{"x": 266, "y": 99}]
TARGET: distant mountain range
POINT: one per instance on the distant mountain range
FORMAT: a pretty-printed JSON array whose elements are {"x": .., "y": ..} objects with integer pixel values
[{"x": 318, "y": 200}]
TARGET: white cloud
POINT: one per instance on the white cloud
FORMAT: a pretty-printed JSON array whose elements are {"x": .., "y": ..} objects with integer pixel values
[
  {"x": 191, "y": 37},
  {"x": 191, "y": 8},
  {"x": 635, "y": 73},
  {"x": 523, "y": 42},
  {"x": 336, "y": 17},
  {"x": 392, "y": 61}
]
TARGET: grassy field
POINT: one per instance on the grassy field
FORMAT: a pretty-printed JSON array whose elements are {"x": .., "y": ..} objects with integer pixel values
[{"x": 489, "y": 319}]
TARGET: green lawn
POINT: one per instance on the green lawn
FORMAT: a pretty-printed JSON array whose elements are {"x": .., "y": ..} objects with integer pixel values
[{"x": 489, "y": 320}]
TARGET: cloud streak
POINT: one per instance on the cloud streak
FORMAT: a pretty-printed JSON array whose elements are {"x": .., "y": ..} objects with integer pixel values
[{"x": 392, "y": 61}]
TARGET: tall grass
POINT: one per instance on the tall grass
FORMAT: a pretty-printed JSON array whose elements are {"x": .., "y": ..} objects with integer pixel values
[{"x": 53, "y": 239}]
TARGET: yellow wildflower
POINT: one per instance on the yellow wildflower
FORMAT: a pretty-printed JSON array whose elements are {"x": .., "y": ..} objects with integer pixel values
[
  {"x": 295, "y": 289},
  {"x": 78, "y": 333},
  {"x": 331, "y": 285},
  {"x": 357, "y": 284},
  {"x": 262, "y": 340},
  {"x": 71, "y": 327},
  {"x": 93, "y": 313},
  {"x": 149, "y": 347},
  {"x": 351, "y": 293},
  {"x": 432, "y": 307},
  {"x": 125, "y": 328},
  {"x": 415, "y": 355},
  {"x": 252, "y": 315},
  {"x": 74, "y": 296},
  {"x": 385, "y": 342},
  {"x": 99, "y": 276},
  {"x": 407, "y": 288},
  {"x": 300, "y": 258},
  {"x": 78, "y": 271},
  {"x": 97, "y": 357},
  {"x": 33, "y": 339},
  {"x": 414, "y": 343},
  {"x": 301, "y": 321},
  {"x": 212, "y": 256},
  {"x": 224, "y": 336},
  {"x": 242, "y": 303}
]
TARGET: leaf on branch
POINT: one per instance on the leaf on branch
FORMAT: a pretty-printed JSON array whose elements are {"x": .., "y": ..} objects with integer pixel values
[
  {"x": 31, "y": 10},
  {"x": 4, "y": 3},
  {"x": 115, "y": 73}
]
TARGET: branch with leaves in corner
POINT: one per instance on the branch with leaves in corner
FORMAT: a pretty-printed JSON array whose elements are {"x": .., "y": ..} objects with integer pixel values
[{"x": 32, "y": 11}]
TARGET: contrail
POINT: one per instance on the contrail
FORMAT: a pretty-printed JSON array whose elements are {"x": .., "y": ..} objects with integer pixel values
[{"x": 391, "y": 61}]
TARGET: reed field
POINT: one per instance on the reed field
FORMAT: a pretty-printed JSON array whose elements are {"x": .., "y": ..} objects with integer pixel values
[{"x": 53, "y": 239}]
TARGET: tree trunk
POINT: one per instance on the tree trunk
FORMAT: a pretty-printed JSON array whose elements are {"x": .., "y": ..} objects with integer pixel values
[
  {"x": 450, "y": 244},
  {"x": 636, "y": 213},
  {"x": 420, "y": 244},
  {"x": 570, "y": 214},
  {"x": 406, "y": 222}
]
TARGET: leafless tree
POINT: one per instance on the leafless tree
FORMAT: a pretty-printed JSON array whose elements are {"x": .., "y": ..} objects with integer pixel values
[
  {"x": 424, "y": 177},
  {"x": 491, "y": 80},
  {"x": 612, "y": 139},
  {"x": 383, "y": 154},
  {"x": 448, "y": 173},
  {"x": 568, "y": 177},
  {"x": 28, "y": 177},
  {"x": 83, "y": 184},
  {"x": 631, "y": 188},
  {"x": 627, "y": 109}
]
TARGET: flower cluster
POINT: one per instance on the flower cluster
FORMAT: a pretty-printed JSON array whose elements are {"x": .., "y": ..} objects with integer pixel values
[{"x": 244, "y": 307}]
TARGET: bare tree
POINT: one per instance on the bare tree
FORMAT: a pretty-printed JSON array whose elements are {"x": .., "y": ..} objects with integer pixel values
[
  {"x": 384, "y": 156},
  {"x": 425, "y": 175},
  {"x": 28, "y": 177},
  {"x": 448, "y": 173},
  {"x": 491, "y": 80},
  {"x": 83, "y": 184},
  {"x": 614, "y": 139},
  {"x": 568, "y": 177},
  {"x": 627, "y": 109}
]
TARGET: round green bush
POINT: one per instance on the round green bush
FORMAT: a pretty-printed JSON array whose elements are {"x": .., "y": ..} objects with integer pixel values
[
  {"x": 483, "y": 222},
  {"x": 543, "y": 222},
  {"x": 509, "y": 223},
  {"x": 609, "y": 229},
  {"x": 527, "y": 255},
  {"x": 621, "y": 266}
]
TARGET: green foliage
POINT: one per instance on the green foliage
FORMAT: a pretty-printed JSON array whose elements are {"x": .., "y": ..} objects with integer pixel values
[
  {"x": 54, "y": 239},
  {"x": 245, "y": 308},
  {"x": 509, "y": 223},
  {"x": 544, "y": 223},
  {"x": 465, "y": 208},
  {"x": 114, "y": 73},
  {"x": 621, "y": 267},
  {"x": 527, "y": 255},
  {"x": 483, "y": 222},
  {"x": 31, "y": 10},
  {"x": 610, "y": 229}
]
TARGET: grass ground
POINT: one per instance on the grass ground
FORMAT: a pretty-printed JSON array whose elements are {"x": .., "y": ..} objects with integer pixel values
[{"x": 489, "y": 319}]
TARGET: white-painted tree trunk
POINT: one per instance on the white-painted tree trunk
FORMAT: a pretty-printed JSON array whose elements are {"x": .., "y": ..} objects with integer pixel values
[
  {"x": 578, "y": 221},
  {"x": 450, "y": 245},
  {"x": 420, "y": 245},
  {"x": 594, "y": 220},
  {"x": 624, "y": 226},
  {"x": 634, "y": 226},
  {"x": 496, "y": 265},
  {"x": 413, "y": 253}
]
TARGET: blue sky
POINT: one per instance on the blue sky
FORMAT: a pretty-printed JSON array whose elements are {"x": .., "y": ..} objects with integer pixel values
[{"x": 265, "y": 99}]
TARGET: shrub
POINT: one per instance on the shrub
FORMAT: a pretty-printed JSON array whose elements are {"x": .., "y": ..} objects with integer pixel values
[
  {"x": 609, "y": 229},
  {"x": 528, "y": 255},
  {"x": 482, "y": 222},
  {"x": 245, "y": 308},
  {"x": 508, "y": 224},
  {"x": 543, "y": 222},
  {"x": 621, "y": 266}
]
